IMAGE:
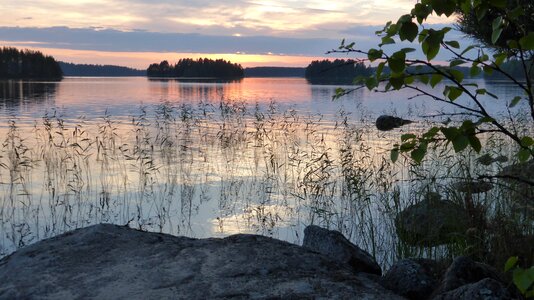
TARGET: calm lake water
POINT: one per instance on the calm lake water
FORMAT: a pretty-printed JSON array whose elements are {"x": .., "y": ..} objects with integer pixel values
[{"x": 202, "y": 159}]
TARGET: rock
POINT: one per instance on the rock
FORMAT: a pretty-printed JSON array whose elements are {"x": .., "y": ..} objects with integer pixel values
[
  {"x": 413, "y": 278},
  {"x": 385, "y": 122},
  {"x": 114, "y": 262},
  {"x": 521, "y": 177},
  {"x": 334, "y": 245},
  {"x": 432, "y": 222},
  {"x": 485, "y": 289},
  {"x": 462, "y": 271},
  {"x": 522, "y": 171},
  {"x": 473, "y": 187},
  {"x": 487, "y": 159}
]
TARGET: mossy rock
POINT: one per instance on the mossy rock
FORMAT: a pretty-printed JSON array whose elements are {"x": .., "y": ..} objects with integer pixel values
[{"x": 432, "y": 222}]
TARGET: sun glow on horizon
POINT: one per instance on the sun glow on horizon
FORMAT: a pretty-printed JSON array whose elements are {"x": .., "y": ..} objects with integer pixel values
[{"x": 141, "y": 60}]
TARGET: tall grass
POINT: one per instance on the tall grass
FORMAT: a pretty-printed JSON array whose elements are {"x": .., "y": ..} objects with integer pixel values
[{"x": 221, "y": 168}]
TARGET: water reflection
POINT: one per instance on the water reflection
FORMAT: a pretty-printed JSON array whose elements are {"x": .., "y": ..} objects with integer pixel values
[
  {"x": 198, "y": 80},
  {"x": 17, "y": 94}
]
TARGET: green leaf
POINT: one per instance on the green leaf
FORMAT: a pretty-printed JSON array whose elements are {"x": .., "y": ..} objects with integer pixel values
[
  {"x": 408, "y": 31},
  {"x": 432, "y": 42},
  {"x": 422, "y": 35},
  {"x": 514, "y": 101},
  {"x": 516, "y": 13},
  {"x": 371, "y": 83},
  {"x": 466, "y": 7},
  {"x": 474, "y": 71},
  {"x": 527, "y": 42},
  {"x": 492, "y": 95},
  {"x": 374, "y": 54},
  {"x": 430, "y": 50},
  {"x": 510, "y": 263},
  {"x": 443, "y": 7},
  {"x": 460, "y": 143},
  {"x": 467, "y": 49},
  {"x": 488, "y": 70},
  {"x": 424, "y": 79},
  {"x": 499, "y": 58},
  {"x": 496, "y": 23},
  {"x": 495, "y": 35},
  {"x": 379, "y": 69},
  {"x": 421, "y": 11},
  {"x": 481, "y": 12},
  {"x": 452, "y": 92},
  {"x": 456, "y": 62},
  {"x": 451, "y": 133},
  {"x": 458, "y": 75},
  {"x": 431, "y": 133},
  {"x": 397, "y": 62},
  {"x": 523, "y": 278},
  {"x": 393, "y": 29},
  {"x": 475, "y": 143},
  {"x": 396, "y": 82},
  {"x": 339, "y": 92},
  {"x": 419, "y": 153},
  {"x": 435, "y": 79},
  {"x": 407, "y": 50},
  {"x": 523, "y": 155},
  {"x": 527, "y": 141},
  {"x": 386, "y": 41},
  {"x": 405, "y": 19},
  {"x": 407, "y": 136},
  {"x": 485, "y": 120},
  {"x": 453, "y": 44},
  {"x": 394, "y": 154}
]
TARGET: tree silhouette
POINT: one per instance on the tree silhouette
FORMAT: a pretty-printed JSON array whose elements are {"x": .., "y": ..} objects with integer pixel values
[
  {"x": 28, "y": 64},
  {"x": 336, "y": 71},
  {"x": 202, "y": 67}
]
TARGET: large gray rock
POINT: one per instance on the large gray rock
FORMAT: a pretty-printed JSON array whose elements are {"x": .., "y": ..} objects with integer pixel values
[
  {"x": 463, "y": 271},
  {"x": 485, "y": 289},
  {"x": 414, "y": 279},
  {"x": 113, "y": 262},
  {"x": 334, "y": 245},
  {"x": 432, "y": 222}
]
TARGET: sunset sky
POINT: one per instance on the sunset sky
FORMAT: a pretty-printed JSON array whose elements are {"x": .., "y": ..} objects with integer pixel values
[{"x": 136, "y": 33}]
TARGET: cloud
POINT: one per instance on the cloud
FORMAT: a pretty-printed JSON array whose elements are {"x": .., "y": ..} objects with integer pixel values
[
  {"x": 143, "y": 41},
  {"x": 212, "y": 17},
  {"x": 110, "y": 40}
]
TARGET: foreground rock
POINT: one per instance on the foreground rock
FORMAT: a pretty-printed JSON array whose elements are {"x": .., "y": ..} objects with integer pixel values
[
  {"x": 485, "y": 289},
  {"x": 414, "y": 279},
  {"x": 334, "y": 245},
  {"x": 113, "y": 262},
  {"x": 464, "y": 271}
]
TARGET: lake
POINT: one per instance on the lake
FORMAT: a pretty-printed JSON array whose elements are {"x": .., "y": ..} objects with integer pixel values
[{"x": 209, "y": 159}]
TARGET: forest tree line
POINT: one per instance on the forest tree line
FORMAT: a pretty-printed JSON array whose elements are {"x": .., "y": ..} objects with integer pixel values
[
  {"x": 28, "y": 64},
  {"x": 338, "y": 71},
  {"x": 70, "y": 69},
  {"x": 202, "y": 67}
]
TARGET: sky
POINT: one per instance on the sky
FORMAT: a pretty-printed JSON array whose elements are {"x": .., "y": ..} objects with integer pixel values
[{"x": 136, "y": 33}]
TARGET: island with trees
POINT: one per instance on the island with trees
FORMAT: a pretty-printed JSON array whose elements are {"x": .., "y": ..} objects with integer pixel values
[
  {"x": 199, "y": 68},
  {"x": 71, "y": 69},
  {"x": 339, "y": 71},
  {"x": 28, "y": 64},
  {"x": 274, "y": 72}
]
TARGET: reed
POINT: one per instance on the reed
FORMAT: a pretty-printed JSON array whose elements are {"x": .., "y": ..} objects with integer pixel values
[{"x": 213, "y": 169}]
